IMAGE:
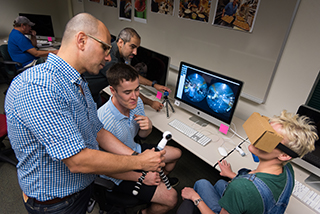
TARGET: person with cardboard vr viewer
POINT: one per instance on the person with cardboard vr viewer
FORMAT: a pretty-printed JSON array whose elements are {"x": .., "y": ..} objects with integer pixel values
[{"x": 267, "y": 188}]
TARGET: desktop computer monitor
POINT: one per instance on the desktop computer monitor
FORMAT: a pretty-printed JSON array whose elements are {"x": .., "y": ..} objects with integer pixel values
[
  {"x": 43, "y": 25},
  {"x": 311, "y": 161},
  {"x": 152, "y": 65},
  {"x": 208, "y": 95}
]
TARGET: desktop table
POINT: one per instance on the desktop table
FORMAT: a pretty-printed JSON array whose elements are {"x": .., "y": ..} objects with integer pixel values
[{"x": 209, "y": 153}]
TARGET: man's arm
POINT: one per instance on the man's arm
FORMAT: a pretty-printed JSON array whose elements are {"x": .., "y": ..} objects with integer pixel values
[
  {"x": 144, "y": 81},
  {"x": 154, "y": 104},
  {"x": 40, "y": 53},
  {"x": 100, "y": 162},
  {"x": 110, "y": 143}
]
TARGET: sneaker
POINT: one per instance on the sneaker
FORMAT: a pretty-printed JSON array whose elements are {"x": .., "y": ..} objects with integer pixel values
[{"x": 173, "y": 181}]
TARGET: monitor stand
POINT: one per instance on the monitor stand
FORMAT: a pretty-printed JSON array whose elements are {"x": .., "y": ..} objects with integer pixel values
[
  {"x": 199, "y": 121},
  {"x": 313, "y": 181}
]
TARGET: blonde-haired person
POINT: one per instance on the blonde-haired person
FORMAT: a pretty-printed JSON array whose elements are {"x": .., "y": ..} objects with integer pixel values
[{"x": 267, "y": 188}]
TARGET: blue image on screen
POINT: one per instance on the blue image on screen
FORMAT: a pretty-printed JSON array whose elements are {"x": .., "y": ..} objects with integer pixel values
[
  {"x": 220, "y": 97},
  {"x": 195, "y": 87}
]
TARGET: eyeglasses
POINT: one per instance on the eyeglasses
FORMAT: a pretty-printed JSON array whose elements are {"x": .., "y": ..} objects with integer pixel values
[{"x": 105, "y": 46}]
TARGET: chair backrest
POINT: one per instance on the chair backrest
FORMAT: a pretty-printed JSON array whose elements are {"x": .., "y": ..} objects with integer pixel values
[
  {"x": 5, "y": 53},
  {"x": 10, "y": 69}
]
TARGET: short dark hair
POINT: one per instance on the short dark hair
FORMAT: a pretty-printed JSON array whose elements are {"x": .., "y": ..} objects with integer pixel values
[
  {"x": 127, "y": 33},
  {"x": 120, "y": 72}
]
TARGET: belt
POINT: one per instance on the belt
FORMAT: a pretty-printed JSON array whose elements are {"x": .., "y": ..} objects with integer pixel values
[{"x": 52, "y": 201}]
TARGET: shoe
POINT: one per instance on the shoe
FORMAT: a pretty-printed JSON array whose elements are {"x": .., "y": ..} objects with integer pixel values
[{"x": 173, "y": 181}]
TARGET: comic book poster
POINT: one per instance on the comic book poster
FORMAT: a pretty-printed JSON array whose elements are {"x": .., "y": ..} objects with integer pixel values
[
  {"x": 125, "y": 10},
  {"x": 195, "y": 9},
  {"x": 163, "y": 7},
  {"x": 236, "y": 14}
]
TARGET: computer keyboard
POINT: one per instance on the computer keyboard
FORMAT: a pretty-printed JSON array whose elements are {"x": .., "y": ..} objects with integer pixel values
[
  {"x": 190, "y": 132},
  {"x": 43, "y": 43},
  {"x": 306, "y": 196}
]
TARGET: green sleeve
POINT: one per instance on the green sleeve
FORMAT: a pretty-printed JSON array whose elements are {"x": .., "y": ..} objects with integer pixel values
[{"x": 241, "y": 196}]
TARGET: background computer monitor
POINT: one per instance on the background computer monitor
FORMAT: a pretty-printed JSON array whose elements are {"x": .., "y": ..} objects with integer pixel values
[
  {"x": 208, "y": 95},
  {"x": 43, "y": 25},
  {"x": 152, "y": 65},
  {"x": 311, "y": 161}
]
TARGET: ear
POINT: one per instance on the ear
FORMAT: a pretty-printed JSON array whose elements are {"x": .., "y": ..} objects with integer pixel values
[
  {"x": 284, "y": 157},
  {"x": 120, "y": 43},
  {"x": 113, "y": 91},
  {"x": 81, "y": 40}
]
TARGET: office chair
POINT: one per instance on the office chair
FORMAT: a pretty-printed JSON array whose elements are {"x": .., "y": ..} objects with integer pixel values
[
  {"x": 108, "y": 201},
  {"x": 3, "y": 133},
  {"x": 9, "y": 65}
]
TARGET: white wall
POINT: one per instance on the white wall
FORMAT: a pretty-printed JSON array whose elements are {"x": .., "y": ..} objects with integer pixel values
[{"x": 298, "y": 68}]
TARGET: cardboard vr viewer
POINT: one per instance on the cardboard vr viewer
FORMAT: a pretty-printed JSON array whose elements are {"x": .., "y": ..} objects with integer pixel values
[{"x": 260, "y": 132}]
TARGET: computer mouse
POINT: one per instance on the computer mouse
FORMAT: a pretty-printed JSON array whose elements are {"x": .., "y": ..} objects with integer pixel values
[{"x": 222, "y": 151}]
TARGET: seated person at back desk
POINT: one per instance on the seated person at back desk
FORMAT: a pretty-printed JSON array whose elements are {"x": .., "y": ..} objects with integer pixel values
[
  {"x": 123, "y": 115},
  {"x": 123, "y": 50},
  {"x": 21, "y": 48},
  {"x": 267, "y": 188}
]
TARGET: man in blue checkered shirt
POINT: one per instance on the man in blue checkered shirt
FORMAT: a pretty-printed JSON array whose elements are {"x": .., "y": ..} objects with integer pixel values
[{"x": 54, "y": 129}]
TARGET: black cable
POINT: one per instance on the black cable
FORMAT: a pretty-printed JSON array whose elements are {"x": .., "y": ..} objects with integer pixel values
[{"x": 230, "y": 152}]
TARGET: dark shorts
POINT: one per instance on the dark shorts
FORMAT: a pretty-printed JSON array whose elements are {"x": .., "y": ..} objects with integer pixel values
[{"x": 146, "y": 192}]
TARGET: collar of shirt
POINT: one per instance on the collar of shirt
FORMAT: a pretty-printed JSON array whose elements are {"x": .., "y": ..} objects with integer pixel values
[{"x": 67, "y": 70}]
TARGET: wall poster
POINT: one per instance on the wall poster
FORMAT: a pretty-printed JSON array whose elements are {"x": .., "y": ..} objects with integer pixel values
[
  {"x": 125, "y": 10},
  {"x": 110, "y": 3},
  {"x": 236, "y": 14},
  {"x": 162, "y": 6},
  {"x": 195, "y": 9},
  {"x": 140, "y": 11}
]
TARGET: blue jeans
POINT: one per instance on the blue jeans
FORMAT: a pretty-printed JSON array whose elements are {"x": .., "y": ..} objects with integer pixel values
[
  {"x": 211, "y": 194},
  {"x": 76, "y": 204}
]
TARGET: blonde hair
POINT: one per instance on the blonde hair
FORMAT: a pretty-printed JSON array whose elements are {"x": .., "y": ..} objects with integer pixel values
[{"x": 299, "y": 132}]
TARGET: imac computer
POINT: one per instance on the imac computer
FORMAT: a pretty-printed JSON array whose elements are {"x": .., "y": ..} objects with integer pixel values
[
  {"x": 151, "y": 65},
  {"x": 311, "y": 161},
  {"x": 208, "y": 95},
  {"x": 43, "y": 25}
]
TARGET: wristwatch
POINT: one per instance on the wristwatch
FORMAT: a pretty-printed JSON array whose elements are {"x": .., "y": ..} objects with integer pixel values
[
  {"x": 154, "y": 82},
  {"x": 197, "y": 201}
]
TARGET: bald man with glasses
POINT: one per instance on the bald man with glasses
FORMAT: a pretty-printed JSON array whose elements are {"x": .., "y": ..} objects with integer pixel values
[{"x": 54, "y": 129}]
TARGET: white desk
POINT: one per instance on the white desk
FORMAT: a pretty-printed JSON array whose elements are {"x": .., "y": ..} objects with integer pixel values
[{"x": 209, "y": 153}]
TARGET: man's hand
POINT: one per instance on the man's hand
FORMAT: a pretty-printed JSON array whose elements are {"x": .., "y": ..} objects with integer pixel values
[
  {"x": 226, "y": 169},
  {"x": 150, "y": 160},
  {"x": 161, "y": 88},
  {"x": 156, "y": 105},
  {"x": 32, "y": 33},
  {"x": 152, "y": 179},
  {"x": 143, "y": 121},
  {"x": 189, "y": 193}
]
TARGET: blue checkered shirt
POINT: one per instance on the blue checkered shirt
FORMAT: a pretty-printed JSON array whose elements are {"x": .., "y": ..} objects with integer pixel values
[
  {"x": 49, "y": 120},
  {"x": 123, "y": 127}
]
